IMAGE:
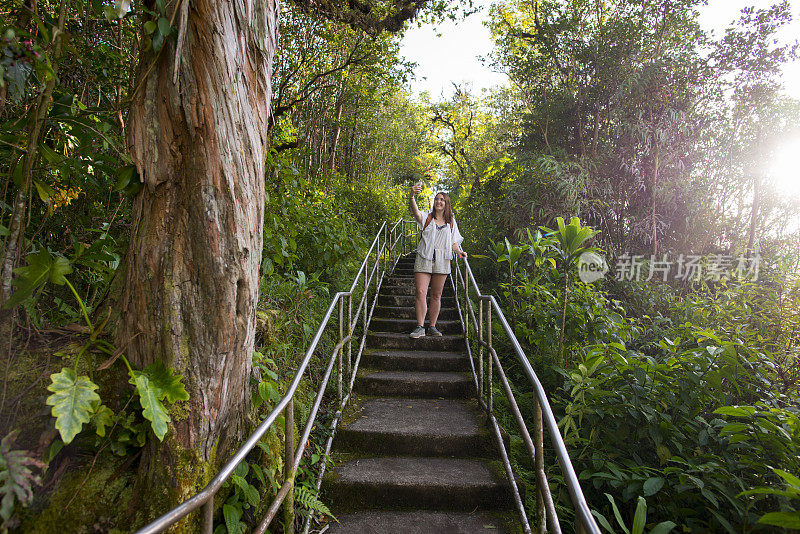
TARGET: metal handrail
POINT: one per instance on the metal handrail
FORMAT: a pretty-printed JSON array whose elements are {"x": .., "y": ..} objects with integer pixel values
[
  {"x": 395, "y": 242},
  {"x": 464, "y": 279}
]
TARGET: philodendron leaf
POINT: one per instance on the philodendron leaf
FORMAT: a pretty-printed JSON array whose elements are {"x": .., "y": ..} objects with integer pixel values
[
  {"x": 152, "y": 409},
  {"x": 42, "y": 267},
  {"x": 102, "y": 417},
  {"x": 169, "y": 384},
  {"x": 73, "y": 401}
]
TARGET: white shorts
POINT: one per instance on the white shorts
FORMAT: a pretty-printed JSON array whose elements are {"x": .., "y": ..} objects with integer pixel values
[{"x": 438, "y": 265}]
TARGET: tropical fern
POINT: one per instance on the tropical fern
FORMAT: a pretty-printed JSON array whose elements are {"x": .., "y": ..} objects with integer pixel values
[
  {"x": 16, "y": 477},
  {"x": 308, "y": 498}
]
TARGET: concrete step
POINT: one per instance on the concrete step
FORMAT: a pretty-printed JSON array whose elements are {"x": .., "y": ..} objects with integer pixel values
[
  {"x": 414, "y": 360},
  {"x": 396, "y": 340},
  {"x": 409, "y": 289},
  {"x": 408, "y": 300},
  {"x": 424, "y": 483},
  {"x": 405, "y": 281},
  {"x": 407, "y": 325},
  {"x": 417, "y": 427},
  {"x": 426, "y": 384},
  {"x": 408, "y": 312},
  {"x": 403, "y": 271},
  {"x": 424, "y": 522}
]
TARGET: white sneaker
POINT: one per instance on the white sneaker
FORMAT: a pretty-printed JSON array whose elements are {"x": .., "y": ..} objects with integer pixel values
[{"x": 418, "y": 332}]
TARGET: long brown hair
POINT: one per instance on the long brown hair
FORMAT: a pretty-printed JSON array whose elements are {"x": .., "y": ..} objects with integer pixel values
[{"x": 447, "y": 212}]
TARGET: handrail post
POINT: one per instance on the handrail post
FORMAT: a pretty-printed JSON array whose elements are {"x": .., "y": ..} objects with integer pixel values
[
  {"x": 489, "y": 392},
  {"x": 366, "y": 293},
  {"x": 350, "y": 332},
  {"x": 538, "y": 437},
  {"x": 341, "y": 351},
  {"x": 455, "y": 286},
  {"x": 480, "y": 348},
  {"x": 288, "y": 468},
  {"x": 466, "y": 302},
  {"x": 208, "y": 516}
]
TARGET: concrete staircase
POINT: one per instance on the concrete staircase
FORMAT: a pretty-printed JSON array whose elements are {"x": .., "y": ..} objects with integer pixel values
[{"x": 413, "y": 452}]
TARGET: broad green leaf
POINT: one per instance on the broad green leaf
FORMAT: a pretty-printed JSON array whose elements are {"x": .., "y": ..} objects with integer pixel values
[
  {"x": 44, "y": 191},
  {"x": 152, "y": 408},
  {"x": 102, "y": 417},
  {"x": 4, "y": 231},
  {"x": 59, "y": 269},
  {"x": 51, "y": 156},
  {"x": 652, "y": 485},
  {"x": 73, "y": 401},
  {"x": 163, "y": 26},
  {"x": 663, "y": 528},
  {"x": 41, "y": 268},
  {"x": 150, "y": 27},
  {"x": 790, "y": 520},
  {"x": 158, "y": 41},
  {"x": 240, "y": 482},
  {"x": 127, "y": 173},
  {"x": 169, "y": 384},
  {"x": 232, "y": 516},
  {"x": 770, "y": 491},
  {"x": 251, "y": 493},
  {"x": 268, "y": 392},
  {"x": 788, "y": 477}
]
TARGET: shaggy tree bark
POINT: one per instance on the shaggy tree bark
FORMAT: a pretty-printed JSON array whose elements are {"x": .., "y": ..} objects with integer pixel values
[
  {"x": 190, "y": 289},
  {"x": 198, "y": 134}
]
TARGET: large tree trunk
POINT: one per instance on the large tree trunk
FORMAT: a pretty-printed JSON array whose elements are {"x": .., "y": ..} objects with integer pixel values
[{"x": 191, "y": 284}]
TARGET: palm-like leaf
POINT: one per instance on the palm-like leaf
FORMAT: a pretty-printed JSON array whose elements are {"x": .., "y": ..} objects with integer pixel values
[
  {"x": 42, "y": 267},
  {"x": 152, "y": 408},
  {"x": 169, "y": 384}
]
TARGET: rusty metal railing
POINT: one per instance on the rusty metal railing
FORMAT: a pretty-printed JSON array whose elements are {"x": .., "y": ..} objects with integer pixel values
[
  {"x": 479, "y": 330},
  {"x": 389, "y": 243}
]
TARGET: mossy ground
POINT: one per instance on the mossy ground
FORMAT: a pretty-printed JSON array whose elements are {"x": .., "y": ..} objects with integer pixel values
[{"x": 85, "y": 500}]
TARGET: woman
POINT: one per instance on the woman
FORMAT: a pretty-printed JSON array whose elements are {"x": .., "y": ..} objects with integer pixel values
[{"x": 439, "y": 238}]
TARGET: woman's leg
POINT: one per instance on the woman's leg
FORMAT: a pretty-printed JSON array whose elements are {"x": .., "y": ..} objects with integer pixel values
[
  {"x": 437, "y": 285},
  {"x": 421, "y": 280}
]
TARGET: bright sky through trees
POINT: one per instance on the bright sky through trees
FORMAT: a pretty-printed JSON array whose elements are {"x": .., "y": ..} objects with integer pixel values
[
  {"x": 449, "y": 53},
  {"x": 785, "y": 169}
]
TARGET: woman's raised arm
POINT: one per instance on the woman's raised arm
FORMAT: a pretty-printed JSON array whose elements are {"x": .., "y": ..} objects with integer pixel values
[{"x": 412, "y": 202}]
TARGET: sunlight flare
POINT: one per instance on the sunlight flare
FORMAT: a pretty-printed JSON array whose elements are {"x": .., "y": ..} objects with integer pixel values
[{"x": 785, "y": 168}]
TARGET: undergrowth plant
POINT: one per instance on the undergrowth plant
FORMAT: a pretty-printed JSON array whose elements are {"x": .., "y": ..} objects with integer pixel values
[
  {"x": 74, "y": 400},
  {"x": 17, "y": 478},
  {"x": 683, "y": 403}
]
